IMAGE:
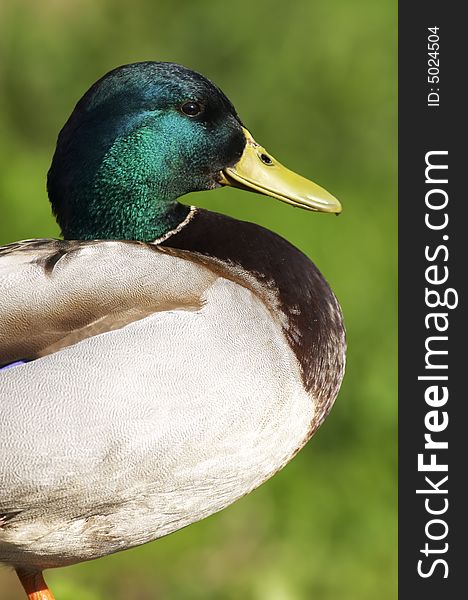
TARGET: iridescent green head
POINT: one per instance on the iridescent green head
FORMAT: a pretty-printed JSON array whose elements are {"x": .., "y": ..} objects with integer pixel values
[
  {"x": 141, "y": 137},
  {"x": 146, "y": 134}
]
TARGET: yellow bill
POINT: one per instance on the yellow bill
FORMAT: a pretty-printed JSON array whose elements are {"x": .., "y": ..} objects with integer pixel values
[{"x": 258, "y": 171}]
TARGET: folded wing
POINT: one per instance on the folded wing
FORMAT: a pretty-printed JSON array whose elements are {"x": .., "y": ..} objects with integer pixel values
[{"x": 55, "y": 293}]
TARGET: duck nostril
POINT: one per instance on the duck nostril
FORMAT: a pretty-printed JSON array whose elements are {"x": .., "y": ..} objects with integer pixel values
[{"x": 266, "y": 159}]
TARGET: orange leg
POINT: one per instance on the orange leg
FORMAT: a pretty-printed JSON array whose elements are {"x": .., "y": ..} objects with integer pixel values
[{"x": 34, "y": 585}]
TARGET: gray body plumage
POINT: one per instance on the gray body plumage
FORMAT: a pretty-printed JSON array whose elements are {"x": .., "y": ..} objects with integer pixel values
[{"x": 164, "y": 388}]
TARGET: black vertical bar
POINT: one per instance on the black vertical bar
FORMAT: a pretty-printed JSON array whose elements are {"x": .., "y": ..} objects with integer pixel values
[{"x": 432, "y": 272}]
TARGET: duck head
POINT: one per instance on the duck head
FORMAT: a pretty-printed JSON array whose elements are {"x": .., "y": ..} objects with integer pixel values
[{"x": 144, "y": 135}]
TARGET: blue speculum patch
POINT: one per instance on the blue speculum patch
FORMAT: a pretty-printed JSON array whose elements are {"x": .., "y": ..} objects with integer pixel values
[{"x": 13, "y": 364}]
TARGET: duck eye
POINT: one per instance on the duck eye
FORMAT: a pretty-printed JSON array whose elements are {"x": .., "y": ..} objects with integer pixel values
[{"x": 192, "y": 109}]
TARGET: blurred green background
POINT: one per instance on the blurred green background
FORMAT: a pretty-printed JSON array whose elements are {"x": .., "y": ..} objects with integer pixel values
[{"x": 315, "y": 81}]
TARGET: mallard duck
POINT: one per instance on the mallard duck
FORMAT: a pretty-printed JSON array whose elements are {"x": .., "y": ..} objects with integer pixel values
[{"x": 163, "y": 360}]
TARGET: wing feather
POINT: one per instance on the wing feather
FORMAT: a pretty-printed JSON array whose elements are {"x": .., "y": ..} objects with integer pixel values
[{"x": 55, "y": 293}]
